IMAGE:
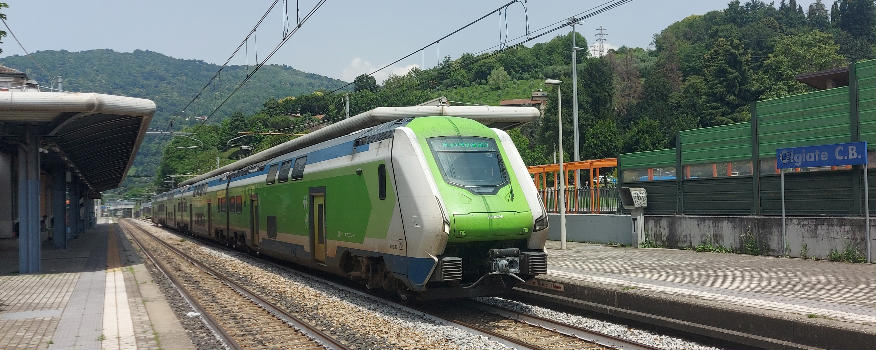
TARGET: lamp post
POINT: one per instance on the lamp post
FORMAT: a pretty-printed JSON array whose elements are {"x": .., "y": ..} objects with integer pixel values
[
  {"x": 575, "y": 98},
  {"x": 562, "y": 185}
]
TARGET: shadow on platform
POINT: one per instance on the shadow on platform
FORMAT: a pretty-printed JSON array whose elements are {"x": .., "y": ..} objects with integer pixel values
[{"x": 88, "y": 252}]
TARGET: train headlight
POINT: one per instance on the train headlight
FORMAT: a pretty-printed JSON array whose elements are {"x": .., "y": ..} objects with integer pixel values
[
  {"x": 541, "y": 223},
  {"x": 446, "y": 228}
]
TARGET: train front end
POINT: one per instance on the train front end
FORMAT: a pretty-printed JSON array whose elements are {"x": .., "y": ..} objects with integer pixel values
[{"x": 493, "y": 226}]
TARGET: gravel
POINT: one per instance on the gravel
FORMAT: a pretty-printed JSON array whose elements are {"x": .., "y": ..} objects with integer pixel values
[
  {"x": 201, "y": 336},
  {"x": 366, "y": 322},
  {"x": 605, "y": 327}
]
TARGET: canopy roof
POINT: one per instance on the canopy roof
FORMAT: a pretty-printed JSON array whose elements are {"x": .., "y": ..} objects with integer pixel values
[{"x": 97, "y": 135}]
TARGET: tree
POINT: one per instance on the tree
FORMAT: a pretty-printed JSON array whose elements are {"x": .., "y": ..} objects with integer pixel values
[
  {"x": 818, "y": 17},
  {"x": 803, "y": 53},
  {"x": 365, "y": 82},
  {"x": 3, "y": 16},
  {"x": 498, "y": 78},
  {"x": 727, "y": 82}
]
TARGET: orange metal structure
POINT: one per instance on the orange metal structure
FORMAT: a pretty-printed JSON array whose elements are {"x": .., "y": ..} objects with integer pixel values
[{"x": 540, "y": 175}]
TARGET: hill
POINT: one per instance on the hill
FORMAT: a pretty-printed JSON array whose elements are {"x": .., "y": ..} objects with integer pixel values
[{"x": 170, "y": 82}]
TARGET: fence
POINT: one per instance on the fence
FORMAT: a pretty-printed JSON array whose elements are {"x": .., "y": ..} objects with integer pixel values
[
  {"x": 582, "y": 200},
  {"x": 731, "y": 169},
  {"x": 598, "y": 196}
]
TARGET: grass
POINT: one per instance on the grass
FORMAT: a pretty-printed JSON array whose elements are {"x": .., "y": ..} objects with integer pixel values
[
  {"x": 848, "y": 254},
  {"x": 648, "y": 242}
]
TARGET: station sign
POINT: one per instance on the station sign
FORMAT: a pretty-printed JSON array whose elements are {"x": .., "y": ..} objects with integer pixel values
[{"x": 854, "y": 153}]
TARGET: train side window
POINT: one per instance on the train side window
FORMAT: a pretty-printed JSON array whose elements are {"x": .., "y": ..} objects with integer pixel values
[
  {"x": 284, "y": 171},
  {"x": 381, "y": 181},
  {"x": 298, "y": 168},
  {"x": 272, "y": 174}
]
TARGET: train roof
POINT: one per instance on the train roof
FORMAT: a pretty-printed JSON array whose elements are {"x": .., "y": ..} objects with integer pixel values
[{"x": 492, "y": 116}]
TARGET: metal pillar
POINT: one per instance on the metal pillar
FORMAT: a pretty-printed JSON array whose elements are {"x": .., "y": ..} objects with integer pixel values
[
  {"x": 29, "y": 204},
  {"x": 89, "y": 210},
  {"x": 6, "y": 186},
  {"x": 73, "y": 223},
  {"x": 59, "y": 207}
]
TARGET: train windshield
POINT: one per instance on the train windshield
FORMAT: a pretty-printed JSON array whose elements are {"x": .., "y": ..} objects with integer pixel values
[{"x": 473, "y": 163}]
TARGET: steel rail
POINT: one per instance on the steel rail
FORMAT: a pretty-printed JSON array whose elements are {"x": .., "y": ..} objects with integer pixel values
[
  {"x": 208, "y": 320},
  {"x": 567, "y": 329},
  {"x": 307, "y": 329}
]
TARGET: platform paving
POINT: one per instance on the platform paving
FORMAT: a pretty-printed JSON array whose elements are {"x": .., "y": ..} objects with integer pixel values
[
  {"x": 752, "y": 301},
  {"x": 833, "y": 290},
  {"x": 88, "y": 298}
]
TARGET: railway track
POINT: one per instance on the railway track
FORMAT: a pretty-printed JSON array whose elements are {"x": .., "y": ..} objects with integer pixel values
[
  {"x": 523, "y": 331},
  {"x": 511, "y": 328},
  {"x": 240, "y": 318}
]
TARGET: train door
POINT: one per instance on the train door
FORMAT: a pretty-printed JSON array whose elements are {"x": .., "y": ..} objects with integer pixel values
[
  {"x": 209, "y": 219},
  {"x": 317, "y": 225},
  {"x": 254, "y": 220}
]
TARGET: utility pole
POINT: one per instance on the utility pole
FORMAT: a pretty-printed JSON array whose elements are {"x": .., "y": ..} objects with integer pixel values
[
  {"x": 575, "y": 48},
  {"x": 347, "y": 104}
]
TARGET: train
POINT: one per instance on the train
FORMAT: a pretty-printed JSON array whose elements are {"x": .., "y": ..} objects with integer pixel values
[{"x": 426, "y": 202}]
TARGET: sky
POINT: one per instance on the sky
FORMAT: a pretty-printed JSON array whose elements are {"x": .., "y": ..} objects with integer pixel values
[{"x": 343, "y": 38}]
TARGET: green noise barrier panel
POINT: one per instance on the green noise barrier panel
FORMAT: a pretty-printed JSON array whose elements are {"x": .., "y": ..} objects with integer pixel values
[
  {"x": 815, "y": 118},
  {"x": 716, "y": 144},
  {"x": 866, "y": 74},
  {"x": 648, "y": 159}
]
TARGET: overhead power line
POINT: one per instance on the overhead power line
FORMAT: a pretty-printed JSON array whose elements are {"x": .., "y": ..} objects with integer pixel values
[
  {"x": 249, "y": 76},
  {"x": 433, "y": 42},
  {"x": 540, "y": 32},
  {"x": 48, "y": 76},
  {"x": 243, "y": 43}
]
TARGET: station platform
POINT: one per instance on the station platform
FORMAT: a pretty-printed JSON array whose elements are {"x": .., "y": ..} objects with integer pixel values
[
  {"x": 96, "y": 294},
  {"x": 797, "y": 301}
]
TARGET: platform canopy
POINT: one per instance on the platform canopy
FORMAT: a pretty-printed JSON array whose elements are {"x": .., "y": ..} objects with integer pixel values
[{"x": 97, "y": 135}]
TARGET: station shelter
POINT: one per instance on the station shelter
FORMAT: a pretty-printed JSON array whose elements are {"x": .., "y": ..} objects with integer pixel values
[{"x": 58, "y": 151}]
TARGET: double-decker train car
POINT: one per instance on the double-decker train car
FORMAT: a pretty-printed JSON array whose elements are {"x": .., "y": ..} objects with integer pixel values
[{"x": 423, "y": 203}]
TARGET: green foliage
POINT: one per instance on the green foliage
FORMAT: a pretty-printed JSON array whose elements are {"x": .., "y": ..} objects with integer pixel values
[
  {"x": 498, "y": 78},
  {"x": 649, "y": 242},
  {"x": 365, "y": 83},
  {"x": 709, "y": 245},
  {"x": 3, "y": 16},
  {"x": 750, "y": 244},
  {"x": 850, "y": 253},
  {"x": 807, "y": 52}
]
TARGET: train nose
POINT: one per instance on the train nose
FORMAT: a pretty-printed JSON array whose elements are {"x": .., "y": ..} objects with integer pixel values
[{"x": 490, "y": 226}]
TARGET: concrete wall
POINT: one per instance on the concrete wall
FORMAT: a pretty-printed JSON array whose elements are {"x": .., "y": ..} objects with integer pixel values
[
  {"x": 6, "y": 215},
  {"x": 810, "y": 236},
  {"x": 593, "y": 228}
]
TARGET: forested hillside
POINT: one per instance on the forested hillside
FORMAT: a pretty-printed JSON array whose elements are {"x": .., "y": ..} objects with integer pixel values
[{"x": 704, "y": 70}]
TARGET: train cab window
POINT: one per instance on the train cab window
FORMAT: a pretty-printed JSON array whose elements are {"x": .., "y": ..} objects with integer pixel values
[
  {"x": 298, "y": 168},
  {"x": 272, "y": 174},
  {"x": 284, "y": 171},
  {"x": 381, "y": 181}
]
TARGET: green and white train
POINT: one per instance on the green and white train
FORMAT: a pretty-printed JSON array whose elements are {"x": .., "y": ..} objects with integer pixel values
[{"x": 424, "y": 201}]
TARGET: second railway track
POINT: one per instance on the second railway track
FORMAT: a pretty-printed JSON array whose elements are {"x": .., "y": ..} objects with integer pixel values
[{"x": 244, "y": 319}]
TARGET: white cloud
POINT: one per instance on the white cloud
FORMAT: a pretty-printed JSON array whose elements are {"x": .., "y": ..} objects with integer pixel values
[{"x": 361, "y": 66}]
